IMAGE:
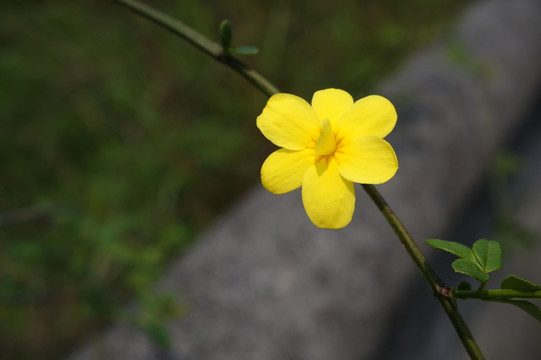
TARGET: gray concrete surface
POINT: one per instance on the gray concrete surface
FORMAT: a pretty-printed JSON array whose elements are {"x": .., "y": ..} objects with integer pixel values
[{"x": 264, "y": 283}]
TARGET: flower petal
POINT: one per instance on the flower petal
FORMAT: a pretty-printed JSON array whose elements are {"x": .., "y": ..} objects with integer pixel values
[
  {"x": 367, "y": 160},
  {"x": 328, "y": 198},
  {"x": 289, "y": 122},
  {"x": 330, "y": 104},
  {"x": 284, "y": 170},
  {"x": 373, "y": 115}
]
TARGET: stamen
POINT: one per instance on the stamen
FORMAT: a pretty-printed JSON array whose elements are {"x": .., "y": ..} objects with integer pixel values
[{"x": 326, "y": 144}]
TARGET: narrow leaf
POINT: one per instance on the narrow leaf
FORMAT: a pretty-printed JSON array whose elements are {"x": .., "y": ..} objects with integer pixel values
[
  {"x": 466, "y": 267},
  {"x": 489, "y": 254},
  {"x": 455, "y": 248},
  {"x": 226, "y": 33},
  {"x": 516, "y": 283},
  {"x": 527, "y": 306},
  {"x": 245, "y": 50}
]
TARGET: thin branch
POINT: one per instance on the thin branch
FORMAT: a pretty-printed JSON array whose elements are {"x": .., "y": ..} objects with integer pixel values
[
  {"x": 497, "y": 294},
  {"x": 201, "y": 42}
]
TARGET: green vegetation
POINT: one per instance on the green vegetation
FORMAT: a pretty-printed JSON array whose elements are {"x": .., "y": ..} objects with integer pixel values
[
  {"x": 484, "y": 257},
  {"x": 119, "y": 141}
]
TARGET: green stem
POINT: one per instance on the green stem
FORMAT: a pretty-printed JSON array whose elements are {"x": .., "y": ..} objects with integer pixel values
[
  {"x": 439, "y": 290},
  {"x": 214, "y": 50},
  {"x": 497, "y": 294},
  {"x": 435, "y": 283},
  {"x": 482, "y": 285},
  {"x": 202, "y": 43}
]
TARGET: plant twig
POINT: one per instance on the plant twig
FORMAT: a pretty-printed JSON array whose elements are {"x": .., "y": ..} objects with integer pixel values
[
  {"x": 214, "y": 50},
  {"x": 201, "y": 42},
  {"x": 497, "y": 294}
]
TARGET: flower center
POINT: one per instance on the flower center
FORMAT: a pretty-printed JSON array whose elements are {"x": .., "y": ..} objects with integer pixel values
[{"x": 326, "y": 144}]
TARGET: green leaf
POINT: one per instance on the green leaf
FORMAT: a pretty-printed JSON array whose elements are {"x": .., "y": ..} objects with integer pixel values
[
  {"x": 245, "y": 50},
  {"x": 226, "y": 34},
  {"x": 455, "y": 248},
  {"x": 489, "y": 254},
  {"x": 466, "y": 267},
  {"x": 527, "y": 306},
  {"x": 516, "y": 283}
]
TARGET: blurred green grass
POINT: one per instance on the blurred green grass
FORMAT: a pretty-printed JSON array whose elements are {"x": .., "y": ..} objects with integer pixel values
[{"x": 119, "y": 141}]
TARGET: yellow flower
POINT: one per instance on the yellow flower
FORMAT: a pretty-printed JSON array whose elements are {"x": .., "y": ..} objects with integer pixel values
[{"x": 327, "y": 147}]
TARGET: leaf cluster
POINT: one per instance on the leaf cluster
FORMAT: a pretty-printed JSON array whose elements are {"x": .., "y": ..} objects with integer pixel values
[
  {"x": 477, "y": 262},
  {"x": 484, "y": 257}
]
